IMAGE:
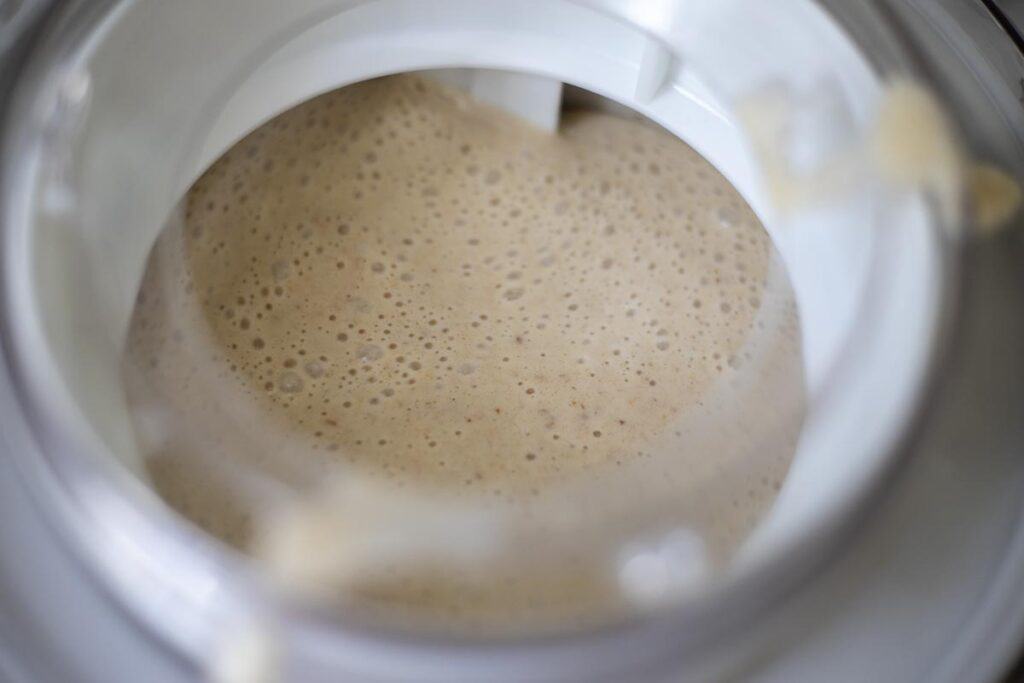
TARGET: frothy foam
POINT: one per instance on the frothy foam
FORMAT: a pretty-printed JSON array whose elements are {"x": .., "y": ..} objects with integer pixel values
[{"x": 407, "y": 282}]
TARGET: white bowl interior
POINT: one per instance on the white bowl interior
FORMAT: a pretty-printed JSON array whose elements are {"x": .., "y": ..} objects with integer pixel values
[{"x": 155, "y": 101}]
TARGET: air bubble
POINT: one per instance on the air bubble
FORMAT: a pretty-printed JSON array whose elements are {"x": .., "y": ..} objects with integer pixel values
[
  {"x": 726, "y": 216},
  {"x": 369, "y": 353},
  {"x": 289, "y": 382},
  {"x": 280, "y": 270}
]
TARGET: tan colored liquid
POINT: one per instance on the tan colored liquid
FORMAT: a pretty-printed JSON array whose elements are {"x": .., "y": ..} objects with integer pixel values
[{"x": 407, "y": 282}]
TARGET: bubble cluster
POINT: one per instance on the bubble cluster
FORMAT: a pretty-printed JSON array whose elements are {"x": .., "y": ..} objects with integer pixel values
[{"x": 427, "y": 288}]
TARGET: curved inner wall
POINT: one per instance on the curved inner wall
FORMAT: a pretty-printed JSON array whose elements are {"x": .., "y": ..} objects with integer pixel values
[{"x": 573, "y": 43}]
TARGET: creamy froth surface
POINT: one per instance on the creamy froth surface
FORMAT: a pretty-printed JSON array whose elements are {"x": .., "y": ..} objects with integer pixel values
[{"x": 394, "y": 278}]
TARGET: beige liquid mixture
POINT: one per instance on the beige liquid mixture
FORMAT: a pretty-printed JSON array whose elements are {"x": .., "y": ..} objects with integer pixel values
[{"x": 394, "y": 278}]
